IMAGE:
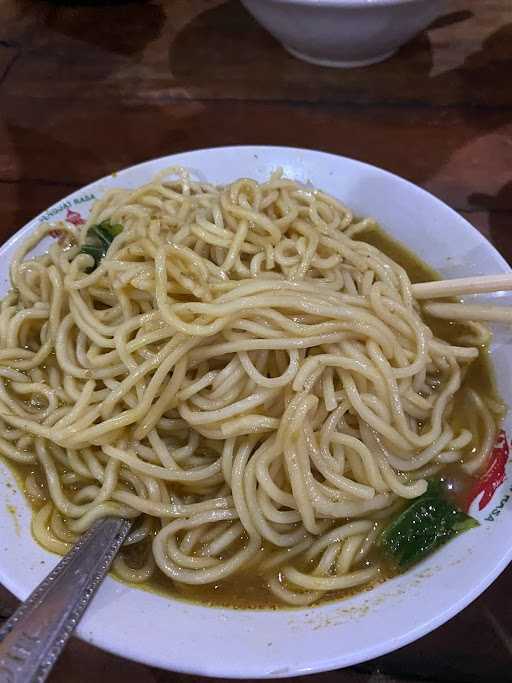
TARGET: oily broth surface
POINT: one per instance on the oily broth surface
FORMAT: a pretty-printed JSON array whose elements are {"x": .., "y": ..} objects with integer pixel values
[{"x": 249, "y": 589}]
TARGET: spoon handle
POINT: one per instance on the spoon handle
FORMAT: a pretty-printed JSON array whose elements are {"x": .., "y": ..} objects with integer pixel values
[{"x": 33, "y": 638}]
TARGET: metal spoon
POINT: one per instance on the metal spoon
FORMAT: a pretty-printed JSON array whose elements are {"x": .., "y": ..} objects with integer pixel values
[{"x": 33, "y": 638}]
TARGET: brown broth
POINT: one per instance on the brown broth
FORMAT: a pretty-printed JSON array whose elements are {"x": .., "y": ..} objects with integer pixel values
[{"x": 249, "y": 589}]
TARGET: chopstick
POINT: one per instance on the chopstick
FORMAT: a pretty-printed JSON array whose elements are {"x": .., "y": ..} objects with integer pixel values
[
  {"x": 475, "y": 312},
  {"x": 481, "y": 284}
]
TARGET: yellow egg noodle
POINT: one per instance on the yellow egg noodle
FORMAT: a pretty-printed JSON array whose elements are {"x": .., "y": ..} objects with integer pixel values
[{"x": 240, "y": 372}]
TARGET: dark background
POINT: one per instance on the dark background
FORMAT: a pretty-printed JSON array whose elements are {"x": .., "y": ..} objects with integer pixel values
[{"x": 87, "y": 88}]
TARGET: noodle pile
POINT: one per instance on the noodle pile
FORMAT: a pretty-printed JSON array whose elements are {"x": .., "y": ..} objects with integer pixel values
[{"x": 241, "y": 373}]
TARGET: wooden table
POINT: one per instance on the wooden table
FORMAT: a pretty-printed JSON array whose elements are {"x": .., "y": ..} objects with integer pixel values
[{"x": 86, "y": 89}]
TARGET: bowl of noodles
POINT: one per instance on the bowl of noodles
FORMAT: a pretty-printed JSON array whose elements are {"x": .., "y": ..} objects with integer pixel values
[{"x": 241, "y": 350}]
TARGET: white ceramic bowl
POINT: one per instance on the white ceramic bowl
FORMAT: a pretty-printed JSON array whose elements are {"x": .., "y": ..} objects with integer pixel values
[
  {"x": 344, "y": 33},
  {"x": 246, "y": 644}
]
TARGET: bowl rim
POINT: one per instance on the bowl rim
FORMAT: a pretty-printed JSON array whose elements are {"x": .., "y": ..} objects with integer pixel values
[{"x": 340, "y": 4}]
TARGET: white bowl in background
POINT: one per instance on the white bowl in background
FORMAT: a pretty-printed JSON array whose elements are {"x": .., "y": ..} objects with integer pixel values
[
  {"x": 213, "y": 641},
  {"x": 344, "y": 33}
]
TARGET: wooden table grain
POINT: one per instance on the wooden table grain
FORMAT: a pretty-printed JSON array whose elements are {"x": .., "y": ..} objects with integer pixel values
[{"x": 88, "y": 87}]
